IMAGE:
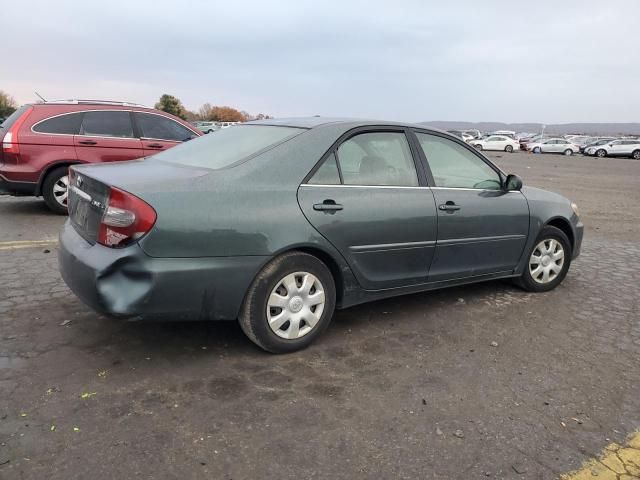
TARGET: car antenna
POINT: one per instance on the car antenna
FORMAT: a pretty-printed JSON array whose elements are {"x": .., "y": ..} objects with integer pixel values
[{"x": 41, "y": 97}]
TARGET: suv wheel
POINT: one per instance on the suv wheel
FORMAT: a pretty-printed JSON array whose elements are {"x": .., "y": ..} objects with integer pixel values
[
  {"x": 55, "y": 190},
  {"x": 289, "y": 304}
]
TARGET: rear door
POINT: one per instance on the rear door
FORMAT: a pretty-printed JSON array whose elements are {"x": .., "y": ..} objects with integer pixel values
[
  {"x": 369, "y": 200},
  {"x": 159, "y": 133},
  {"x": 107, "y": 136},
  {"x": 482, "y": 229}
]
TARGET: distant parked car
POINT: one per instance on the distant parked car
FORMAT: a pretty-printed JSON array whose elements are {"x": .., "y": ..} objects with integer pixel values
[
  {"x": 461, "y": 135},
  {"x": 525, "y": 141},
  {"x": 40, "y": 142},
  {"x": 474, "y": 133},
  {"x": 508, "y": 133},
  {"x": 628, "y": 147},
  {"x": 496, "y": 142},
  {"x": 553, "y": 145},
  {"x": 206, "y": 127},
  {"x": 595, "y": 143}
]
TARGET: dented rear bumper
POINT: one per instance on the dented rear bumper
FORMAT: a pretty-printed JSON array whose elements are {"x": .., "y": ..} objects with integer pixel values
[{"x": 128, "y": 283}]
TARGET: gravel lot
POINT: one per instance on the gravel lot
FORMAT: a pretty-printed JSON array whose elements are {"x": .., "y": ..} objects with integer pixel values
[{"x": 409, "y": 387}]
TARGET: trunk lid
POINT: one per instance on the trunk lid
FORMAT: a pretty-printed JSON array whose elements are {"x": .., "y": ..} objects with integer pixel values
[{"x": 90, "y": 185}]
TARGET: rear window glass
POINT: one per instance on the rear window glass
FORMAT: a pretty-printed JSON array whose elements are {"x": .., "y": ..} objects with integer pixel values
[
  {"x": 107, "y": 124},
  {"x": 68, "y": 124},
  {"x": 228, "y": 146},
  {"x": 10, "y": 120}
]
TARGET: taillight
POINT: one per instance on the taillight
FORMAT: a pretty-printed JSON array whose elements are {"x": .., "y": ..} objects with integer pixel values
[
  {"x": 126, "y": 219},
  {"x": 10, "y": 141}
]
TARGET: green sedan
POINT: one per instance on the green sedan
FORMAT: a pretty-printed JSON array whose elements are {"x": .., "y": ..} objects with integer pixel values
[{"x": 277, "y": 223}]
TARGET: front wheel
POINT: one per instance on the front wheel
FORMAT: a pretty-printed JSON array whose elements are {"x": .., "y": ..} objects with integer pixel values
[
  {"x": 636, "y": 155},
  {"x": 601, "y": 153},
  {"x": 289, "y": 304},
  {"x": 508, "y": 149},
  {"x": 477, "y": 146},
  {"x": 537, "y": 150},
  {"x": 55, "y": 190},
  {"x": 568, "y": 152},
  {"x": 548, "y": 262}
]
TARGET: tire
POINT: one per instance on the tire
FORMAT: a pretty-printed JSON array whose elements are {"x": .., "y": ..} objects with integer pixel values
[
  {"x": 270, "y": 282},
  {"x": 508, "y": 149},
  {"x": 547, "y": 236},
  {"x": 52, "y": 190},
  {"x": 209, "y": 131},
  {"x": 478, "y": 147},
  {"x": 636, "y": 155},
  {"x": 537, "y": 150},
  {"x": 601, "y": 153},
  {"x": 568, "y": 152}
]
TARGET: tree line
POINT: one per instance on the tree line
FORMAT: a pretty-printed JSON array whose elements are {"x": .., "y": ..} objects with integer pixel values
[{"x": 169, "y": 104}]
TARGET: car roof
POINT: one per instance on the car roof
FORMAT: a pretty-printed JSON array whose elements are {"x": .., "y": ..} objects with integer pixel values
[{"x": 317, "y": 121}]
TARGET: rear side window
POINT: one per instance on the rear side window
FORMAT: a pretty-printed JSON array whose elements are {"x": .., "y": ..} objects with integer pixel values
[
  {"x": 68, "y": 124},
  {"x": 327, "y": 174},
  {"x": 378, "y": 159},
  {"x": 107, "y": 124},
  {"x": 228, "y": 146},
  {"x": 162, "y": 128}
]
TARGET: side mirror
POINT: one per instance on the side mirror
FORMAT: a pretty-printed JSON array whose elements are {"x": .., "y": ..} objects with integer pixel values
[{"x": 514, "y": 182}]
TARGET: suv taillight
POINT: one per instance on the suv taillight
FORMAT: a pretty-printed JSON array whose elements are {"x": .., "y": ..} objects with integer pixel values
[
  {"x": 126, "y": 219},
  {"x": 10, "y": 141}
]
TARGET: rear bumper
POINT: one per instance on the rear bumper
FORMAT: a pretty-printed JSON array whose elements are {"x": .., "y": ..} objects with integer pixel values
[
  {"x": 8, "y": 187},
  {"x": 128, "y": 283}
]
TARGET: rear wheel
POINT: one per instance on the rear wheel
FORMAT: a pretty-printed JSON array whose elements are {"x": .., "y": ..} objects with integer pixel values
[
  {"x": 55, "y": 190},
  {"x": 636, "y": 155},
  {"x": 289, "y": 304},
  {"x": 568, "y": 152},
  {"x": 548, "y": 263},
  {"x": 601, "y": 153},
  {"x": 508, "y": 149}
]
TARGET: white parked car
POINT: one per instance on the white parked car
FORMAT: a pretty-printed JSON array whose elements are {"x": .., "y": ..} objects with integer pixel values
[
  {"x": 553, "y": 145},
  {"x": 496, "y": 142},
  {"x": 626, "y": 147}
]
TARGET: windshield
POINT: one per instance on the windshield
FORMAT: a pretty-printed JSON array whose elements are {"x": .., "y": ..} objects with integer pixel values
[{"x": 228, "y": 146}]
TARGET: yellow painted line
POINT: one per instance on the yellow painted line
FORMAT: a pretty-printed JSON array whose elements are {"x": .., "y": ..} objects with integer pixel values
[
  {"x": 13, "y": 245},
  {"x": 617, "y": 462}
]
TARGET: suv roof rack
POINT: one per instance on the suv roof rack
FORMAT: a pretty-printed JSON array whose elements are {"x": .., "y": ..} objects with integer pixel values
[{"x": 75, "y": 101}]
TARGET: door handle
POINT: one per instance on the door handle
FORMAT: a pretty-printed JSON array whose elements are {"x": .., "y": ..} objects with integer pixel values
[
  {"x": 154, "y": 145},
  {"x": 87, "y": 142},
  {"x": 328, "y": 206},
  {"x": 449, "y": 207}
]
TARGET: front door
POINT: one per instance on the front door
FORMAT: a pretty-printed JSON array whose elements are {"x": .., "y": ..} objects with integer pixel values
[
  {"x": 482, "y": 229},
  {"x": 159, "y": 133},
  {"x": 366, "y": 200},
  {"x": 107, "y": 136}
]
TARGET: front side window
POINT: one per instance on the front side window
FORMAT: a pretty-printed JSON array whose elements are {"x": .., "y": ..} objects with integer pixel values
[
  {"x": 454, "y": 166},
  {"x": 107, "y": 124},
  {"x": 68, "y": 124},
  {"x": 228, "y": 146},
  {"x": 377, "y": 158},
  {"x": 162, "y": 128}
]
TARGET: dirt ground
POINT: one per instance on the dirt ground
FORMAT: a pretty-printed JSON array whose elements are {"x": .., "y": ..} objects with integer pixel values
[{"x": 411, "y": 387}]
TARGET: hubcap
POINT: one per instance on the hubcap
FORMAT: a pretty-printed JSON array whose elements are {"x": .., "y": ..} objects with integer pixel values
[
  {"x": 295, "y": 305},
  {"x": 546, "y": 261},
  {"x": 61, "y": 190}
]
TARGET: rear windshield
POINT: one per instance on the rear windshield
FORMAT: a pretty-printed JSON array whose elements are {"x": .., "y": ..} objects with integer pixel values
[
  {"x": 10, "y": 120},
  {"x": 228, "y": 146}
]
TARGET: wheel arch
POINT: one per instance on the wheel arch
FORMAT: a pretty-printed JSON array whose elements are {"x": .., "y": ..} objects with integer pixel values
[
  {"x": 49, "y": 169},
  {"x": 564, "y": 225}
]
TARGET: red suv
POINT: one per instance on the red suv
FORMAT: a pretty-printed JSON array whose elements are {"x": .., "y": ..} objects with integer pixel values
[{"x": 41, "y": 140}]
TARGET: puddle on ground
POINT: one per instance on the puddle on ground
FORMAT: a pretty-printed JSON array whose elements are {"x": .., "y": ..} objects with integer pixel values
[{"x": 12, "y": 362}]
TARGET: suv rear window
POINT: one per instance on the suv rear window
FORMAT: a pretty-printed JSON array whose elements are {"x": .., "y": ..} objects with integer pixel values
[
  {"x": 228, "y": 146},
  {"x": 107, "y": 124},
  {"x": 10, "y": 120},
  {"x": 68, "y": 124}
]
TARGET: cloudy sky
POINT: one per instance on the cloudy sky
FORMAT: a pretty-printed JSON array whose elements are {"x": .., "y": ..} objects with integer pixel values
[{"x": 544, "y": 61}]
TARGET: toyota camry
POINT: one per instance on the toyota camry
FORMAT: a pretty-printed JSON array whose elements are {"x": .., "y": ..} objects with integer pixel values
[{"x": 277, "y": 223}]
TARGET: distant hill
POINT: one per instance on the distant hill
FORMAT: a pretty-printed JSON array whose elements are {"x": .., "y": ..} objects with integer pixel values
[{"x": 564, "y": 128}]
